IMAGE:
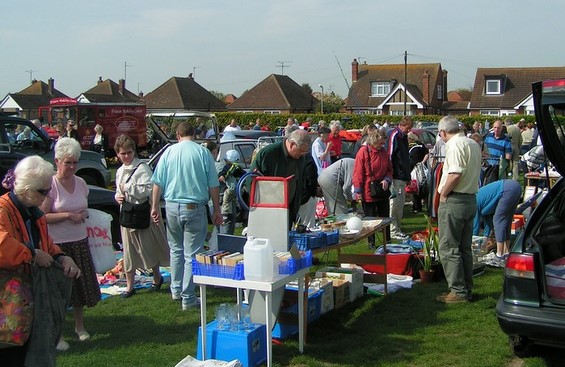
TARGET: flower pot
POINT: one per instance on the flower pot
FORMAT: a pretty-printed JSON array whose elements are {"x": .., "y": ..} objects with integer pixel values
[{"x": 426, "y": 276}]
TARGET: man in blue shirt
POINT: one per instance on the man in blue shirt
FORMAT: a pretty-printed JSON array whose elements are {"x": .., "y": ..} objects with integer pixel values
[
  {"x": 499, "y": 146},
  {"x": 186, "y": 175},
  {"x": 496, "y": 203}
]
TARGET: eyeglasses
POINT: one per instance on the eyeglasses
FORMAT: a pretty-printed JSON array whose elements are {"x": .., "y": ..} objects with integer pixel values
[
  {"x": 44, "y": 192},
  {"x": 71, "y": 163}
]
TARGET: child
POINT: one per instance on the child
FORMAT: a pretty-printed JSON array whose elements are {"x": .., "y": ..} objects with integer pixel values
[{"x": 228, "y": 176}]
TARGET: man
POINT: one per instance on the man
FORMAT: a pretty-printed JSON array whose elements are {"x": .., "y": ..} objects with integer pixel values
[
  {"x": 290, "y": 126},
  {"x": 398, "y": 153},
  {"x": 335, "y": 182},
  {"x": 71, "y": 131},
  {"x": 335, "y": 140},
  {"x": 187, "y": 177},
  {"x": 457, "y": 207},
  {"x": 233, "y": 126},
  {"x": 496, "y": 203},
  {"x": 515, "y": 135},
  {"x": 284, "y": 159},
  {"x": 499, "y": 148}
]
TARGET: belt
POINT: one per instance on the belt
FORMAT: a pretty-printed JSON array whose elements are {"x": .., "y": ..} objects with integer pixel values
[
  {"x": 459, "y": 193},
  {"x": 192, "y": 205}
]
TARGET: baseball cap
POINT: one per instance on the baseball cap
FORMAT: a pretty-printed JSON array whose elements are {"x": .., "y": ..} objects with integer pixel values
[{"x": 232, "y": 156}]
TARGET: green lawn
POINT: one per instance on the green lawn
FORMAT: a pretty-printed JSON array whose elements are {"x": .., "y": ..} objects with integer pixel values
[{"x": 406, "y": 328}]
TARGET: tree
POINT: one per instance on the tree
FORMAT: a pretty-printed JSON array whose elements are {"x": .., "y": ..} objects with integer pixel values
[
  {"x": 332, "y": 102},
  {"x": 307, "y": 88},
  {"x": 221, "y": 96}
]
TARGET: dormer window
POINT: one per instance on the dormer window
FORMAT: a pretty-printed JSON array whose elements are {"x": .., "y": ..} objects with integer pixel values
[
  {"x": 493, "y": 86},
  {"x": 380, "y": 89}
]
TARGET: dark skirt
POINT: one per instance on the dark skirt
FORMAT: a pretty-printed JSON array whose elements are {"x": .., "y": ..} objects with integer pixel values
[{"x": 86, "y": 290}]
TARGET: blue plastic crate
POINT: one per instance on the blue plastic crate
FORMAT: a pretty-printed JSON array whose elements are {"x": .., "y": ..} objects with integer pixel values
[
  {"x": 306, "y": 241},
  {"x": 291, "y": 266},
  {"x": 248, "y": 346},
  {"x": 286, "y": 328},
  {"x": 332, "y": 237},
  {"x": 218, "y": 271}
]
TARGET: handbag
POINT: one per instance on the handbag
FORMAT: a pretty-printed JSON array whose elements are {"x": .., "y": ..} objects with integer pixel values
[
  {"x": 412, "y": 187},
  {"x": 136, "y": 216},
  {"x": 16, "y": 308},
  {"x": 375, "y": 187}
]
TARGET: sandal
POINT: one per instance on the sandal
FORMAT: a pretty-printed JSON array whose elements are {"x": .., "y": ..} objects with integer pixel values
[
  {"x": 128, "y": 294},
  {"x": 157, "y": 286}
]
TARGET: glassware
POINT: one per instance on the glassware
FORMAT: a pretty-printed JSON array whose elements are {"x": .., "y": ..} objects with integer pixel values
[{"x": 222, "y": 317}]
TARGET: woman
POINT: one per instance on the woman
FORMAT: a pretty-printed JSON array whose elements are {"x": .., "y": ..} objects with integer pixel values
[
  {"x": 100, "y": 142},
  {"x": 143, "y": 248},
  {"x": 65, "y": 211},
  {"x": 24, "y": 242},
  {"x": 335, "y": 140},
  {"x": 372, "y": 164},
  {"x": 321, "y": 150}
]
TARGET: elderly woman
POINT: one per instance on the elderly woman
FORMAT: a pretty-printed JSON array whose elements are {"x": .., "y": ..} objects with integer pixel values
[
  {"x": 65, "y": 211},
  {"x": 100, "y": 142},
  {"x": 143, "y": 248},
  {"x": 373, "y": 168},
  {"x": 335, "y": 140},
  {"x": 26, "y": 246}
]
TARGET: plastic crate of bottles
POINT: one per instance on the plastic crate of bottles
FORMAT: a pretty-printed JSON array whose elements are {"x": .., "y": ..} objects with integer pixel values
[
  {"x": 307, "y": 241},
  {"x": 291, "y": 266},
  {"x": 218, "y": 271}
]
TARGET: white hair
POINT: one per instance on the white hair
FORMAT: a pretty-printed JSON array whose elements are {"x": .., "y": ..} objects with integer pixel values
[{"x": 32, "y": 173}]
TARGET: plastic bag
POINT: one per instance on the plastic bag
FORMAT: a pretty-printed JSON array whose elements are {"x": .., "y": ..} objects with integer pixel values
[{"x": 99, "y": 229}]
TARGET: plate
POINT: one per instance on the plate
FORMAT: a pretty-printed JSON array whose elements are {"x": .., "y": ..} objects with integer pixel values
[{"x": 350, "y": 231}]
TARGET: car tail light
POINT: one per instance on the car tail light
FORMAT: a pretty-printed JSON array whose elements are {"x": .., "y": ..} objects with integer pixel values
[{"x": 520, "y": 266}]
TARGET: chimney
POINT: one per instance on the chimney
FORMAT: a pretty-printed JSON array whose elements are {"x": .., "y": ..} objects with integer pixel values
[
  {"x": 122, "y": 86},
  {"x": 426, "y": 86},
  {"x": 190, "y": 76},
  {"x": 140, "y": 94},
  {"x": 445, "y": 85},
  {"x": 99, "y": 80},
  {"x": 354, "y": 70},
  {"x": 50, "y": 86}
]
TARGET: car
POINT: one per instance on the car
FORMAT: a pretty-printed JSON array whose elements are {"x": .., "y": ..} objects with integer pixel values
[
  {"x": 91, "y": 166},
  {"x": 531, "y": 308},
  {"x": 425, "y": 136}
]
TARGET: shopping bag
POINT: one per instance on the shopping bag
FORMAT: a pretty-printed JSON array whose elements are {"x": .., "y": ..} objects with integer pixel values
[
  {"x": 16, "y": 308},
  {"x": 99, "y": 228},
  {"x": 412, "y": 187},
  {"x": 321, "y": 209}
]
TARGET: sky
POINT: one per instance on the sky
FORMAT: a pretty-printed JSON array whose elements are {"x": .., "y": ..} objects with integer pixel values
[{"x": 230, "y": 46}]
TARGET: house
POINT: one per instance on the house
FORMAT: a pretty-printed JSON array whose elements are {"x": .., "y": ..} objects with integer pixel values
[
  {"x": 108, "y": 91},
  {"x": 508, "y": 91},
  {"x": 229, "y": 98},
  {"x": 182, "y": 94},
  {"x": 276, "y": 94},
  {"x": 26, "y": 103},
  {"x": 421, "y": 89}
]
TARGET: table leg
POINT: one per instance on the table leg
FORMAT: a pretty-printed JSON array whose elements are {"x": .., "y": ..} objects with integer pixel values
[
  {"x": 203, "y": 318},
  {"x": 269, "y": 338},
  {"x": 301, "y": 313}
]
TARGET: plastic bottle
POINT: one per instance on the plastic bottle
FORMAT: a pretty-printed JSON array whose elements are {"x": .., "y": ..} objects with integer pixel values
[{"x": 258, "y": 261}]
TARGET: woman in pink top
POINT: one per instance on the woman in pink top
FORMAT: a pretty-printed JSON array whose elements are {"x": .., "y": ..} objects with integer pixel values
[{"x": 65, "y": 211}]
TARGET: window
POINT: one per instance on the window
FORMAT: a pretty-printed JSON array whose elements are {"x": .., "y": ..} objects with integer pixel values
[
  {"x": 493, "y": 86},
  {"x": 439, "y": 92},
  {"x": 380, "y": 89},
  {"x": 490, "y": 112},
  {"x": 269, "y": 112}
]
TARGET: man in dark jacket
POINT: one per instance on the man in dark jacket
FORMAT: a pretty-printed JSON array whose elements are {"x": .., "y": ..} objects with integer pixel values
[{"x": 398, "y": 152}]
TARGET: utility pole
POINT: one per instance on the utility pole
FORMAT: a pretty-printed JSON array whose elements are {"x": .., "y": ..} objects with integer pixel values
[
  {"x": 30, "y": 75},
  {"x": 322, "y": 99},
  {"x": 282, "y": 65},
  {"x": 405, "y": 76}
]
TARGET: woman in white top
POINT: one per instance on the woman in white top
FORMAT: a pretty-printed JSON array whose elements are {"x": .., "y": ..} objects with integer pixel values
[{"x": 65, "y": 212}]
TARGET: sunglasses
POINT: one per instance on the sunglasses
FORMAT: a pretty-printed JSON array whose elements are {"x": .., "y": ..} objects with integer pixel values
[{"x": 44, "y": 192}]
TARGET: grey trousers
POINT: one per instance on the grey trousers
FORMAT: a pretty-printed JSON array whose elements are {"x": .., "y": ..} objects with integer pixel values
[{"x": 455, "y": 225}]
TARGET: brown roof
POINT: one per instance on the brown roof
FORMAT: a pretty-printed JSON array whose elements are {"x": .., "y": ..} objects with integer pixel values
[
  {"x": 360, "y": 91},
  {"x": 276, "y": 92},
  {"x": 517, "y": 85},
  {"x": 183, "y": 94},
  {"x": 108, "y": 91},
  {"x": 36, "y": 95}
]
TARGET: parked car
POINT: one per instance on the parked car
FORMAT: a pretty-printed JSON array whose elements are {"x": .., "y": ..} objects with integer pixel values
[
  {"x": 425, "y": 136},
  {"x": 91, "y": 166},
  {"x": 531, "y": 309}
]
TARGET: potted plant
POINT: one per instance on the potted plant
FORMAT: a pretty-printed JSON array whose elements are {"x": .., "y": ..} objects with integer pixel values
[{"x": 430, "y": 250}]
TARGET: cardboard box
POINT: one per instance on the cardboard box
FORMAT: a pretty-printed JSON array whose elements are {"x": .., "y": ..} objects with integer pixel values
[
  {"x": 353, "y": 276},
  {"x": 248, "y": 346},
  {"x": 340, "y": 292},
  {"x": 517, "y": 223}
]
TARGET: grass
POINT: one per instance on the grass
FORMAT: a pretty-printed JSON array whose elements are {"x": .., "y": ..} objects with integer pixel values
[{"x": 406, "y": 328}]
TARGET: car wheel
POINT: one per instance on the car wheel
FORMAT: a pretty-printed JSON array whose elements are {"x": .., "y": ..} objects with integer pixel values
[
  {"x": 521, "y": 346},
  {"x": 89, "y": 179}
]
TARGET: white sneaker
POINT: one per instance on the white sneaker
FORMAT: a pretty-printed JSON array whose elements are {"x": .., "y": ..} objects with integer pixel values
[
  {"x": 400, "y": 237},
  {"x": 62, "y": 346}
]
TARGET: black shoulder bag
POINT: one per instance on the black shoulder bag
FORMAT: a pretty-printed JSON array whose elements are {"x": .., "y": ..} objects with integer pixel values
[
  {"x": 375, "y": 186},
  {"x": 136, "y": 216}
]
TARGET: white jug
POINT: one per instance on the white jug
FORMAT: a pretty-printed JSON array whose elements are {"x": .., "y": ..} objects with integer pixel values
[{"x": 258, "y": 260}]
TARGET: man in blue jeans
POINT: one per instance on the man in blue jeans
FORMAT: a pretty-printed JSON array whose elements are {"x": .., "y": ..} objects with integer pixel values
[
  {"x": 457, "y": 206},
  {"x": 187, "y": 177}
]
